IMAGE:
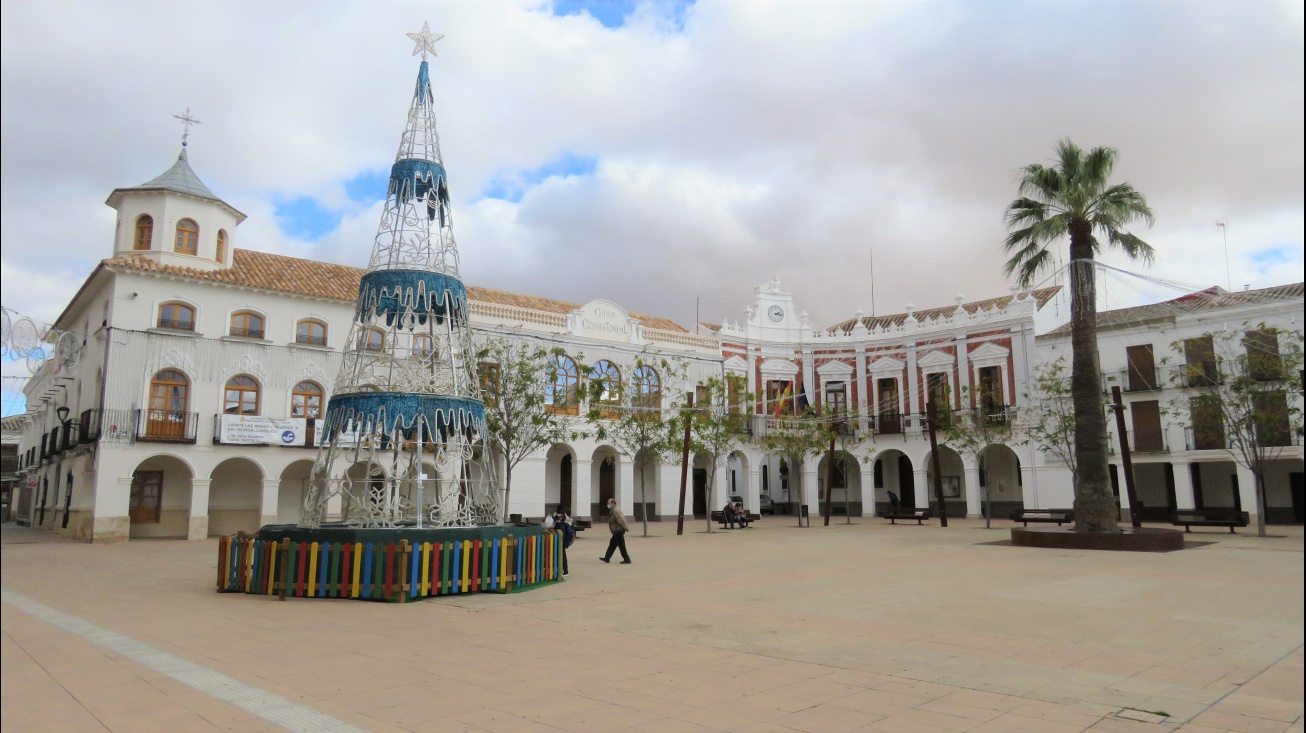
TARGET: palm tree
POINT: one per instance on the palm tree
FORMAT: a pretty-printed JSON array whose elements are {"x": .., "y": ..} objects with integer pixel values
[{"x": 1074, "y": 197}]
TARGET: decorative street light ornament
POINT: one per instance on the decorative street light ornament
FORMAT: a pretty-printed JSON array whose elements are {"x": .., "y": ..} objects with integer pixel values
[{"x": 404, "y": 439}]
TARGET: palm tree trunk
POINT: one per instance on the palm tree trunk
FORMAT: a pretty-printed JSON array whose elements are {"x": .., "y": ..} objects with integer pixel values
[{"x": 1095, "y": 506}]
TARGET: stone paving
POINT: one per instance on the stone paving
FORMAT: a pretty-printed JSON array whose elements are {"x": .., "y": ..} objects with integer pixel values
[{"x": 862, "y": 627}]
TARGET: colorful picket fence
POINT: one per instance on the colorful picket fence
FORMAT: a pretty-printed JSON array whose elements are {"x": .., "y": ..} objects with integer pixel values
[{"x": 392, "y": 571}]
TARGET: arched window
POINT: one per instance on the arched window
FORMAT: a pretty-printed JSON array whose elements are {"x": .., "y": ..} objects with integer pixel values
[
  {"x": 371, "y": 339},
  {"x": 310, "y": 331},
  {"x": 369, "y": 388},
  {"x": 169, "y": 398},
  {"x": 306, "y": 400},
  {"x": 422, "y": 345},
  {"x": 240, "y": 396},
  {"x": 248, "y": 324},
  {"x": 606, "y": 378},
  {"x": 562, "y": 392},
  {"x": 222, "y": 246},
  {"x": 647, "y": 389},
  {"x": 144, "y": 232},
  {"x": 177, "y": 315},
  {"x": 188, "y": 237}
]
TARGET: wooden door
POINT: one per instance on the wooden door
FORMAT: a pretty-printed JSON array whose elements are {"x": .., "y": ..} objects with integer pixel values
[
  {"x": 565, "y": 482},
  {"x": 906, "y": 483},
  {"x": 1142, "y": 368},
  {"x": 146, "y": 497},
  {"x": 1147, "y": 426},
  {"x": 700, "y": 493},
  {"x": 607, "y": 484},
  {"x": 169, "y": 394}
]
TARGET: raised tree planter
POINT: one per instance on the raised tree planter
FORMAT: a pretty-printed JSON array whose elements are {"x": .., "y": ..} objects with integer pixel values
[{"x": 1146, "y": 539}]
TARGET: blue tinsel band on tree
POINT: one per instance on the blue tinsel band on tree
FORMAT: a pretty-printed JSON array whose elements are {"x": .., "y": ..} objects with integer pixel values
[
  {"x": 388, "y": 413},
  {"x": 427, "y": 294}
]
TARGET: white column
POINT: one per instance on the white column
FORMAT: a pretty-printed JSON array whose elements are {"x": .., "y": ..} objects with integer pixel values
[
  {"x": 582, "y": 493},
  {"x": 963, "y": 373},
  {"x": 1183, "y": 486},
  {"x": 859, "y": 374},
  {"x": 811, "y": 486},
  {"x": 923, "y": 488},
  {"x": 1247, "y": 492},
  {"x": 913, "y": 383},
  {"x": 667, "y": 492},
  {"x": 111, "y": 521},
  {"x": 199, "y": 509},
  {"x": 527, "y": 498},
  {"x": 271, "y": 495},
  {"x": 626, "y": 488},
  {"x": 974, "y": 497},
  {"x": 868, "y": 487}
]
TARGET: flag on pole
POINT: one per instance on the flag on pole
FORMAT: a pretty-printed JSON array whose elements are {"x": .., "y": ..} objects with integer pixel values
[
  {"x": 780, "y": 401},
  {"x": 803, "y": 404}
]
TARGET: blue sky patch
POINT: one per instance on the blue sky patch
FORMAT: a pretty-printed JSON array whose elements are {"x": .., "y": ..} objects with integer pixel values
[
  {"x": 511, "y": 185},
  {"x": 304, "y": 217},
  {"x": 368, "y": 187},
  {"x": 613, "y": 13},
  {"x": 1282, "y": 254}
]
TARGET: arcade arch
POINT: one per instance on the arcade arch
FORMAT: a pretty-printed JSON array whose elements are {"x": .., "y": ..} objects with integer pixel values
[
  {"x": 235, "y": 497},
  {"x": 159, "y": 504}
]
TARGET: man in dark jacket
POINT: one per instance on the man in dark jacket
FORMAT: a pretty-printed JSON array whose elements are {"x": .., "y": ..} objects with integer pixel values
[{"x": 618, "y": 526}]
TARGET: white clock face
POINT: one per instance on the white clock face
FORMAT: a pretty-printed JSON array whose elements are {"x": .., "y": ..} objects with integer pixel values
[{"x": 775, "y": 313}]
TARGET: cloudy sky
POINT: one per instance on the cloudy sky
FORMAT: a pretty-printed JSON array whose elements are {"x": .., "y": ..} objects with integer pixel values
[{"x": 643, "y": 151}]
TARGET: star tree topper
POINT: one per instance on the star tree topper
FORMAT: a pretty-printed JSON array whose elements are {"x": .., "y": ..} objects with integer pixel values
[{"x": 425, "y": 41}]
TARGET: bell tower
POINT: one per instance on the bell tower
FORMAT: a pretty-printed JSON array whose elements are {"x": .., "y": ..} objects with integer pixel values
[{"x": 174, "y": 219}]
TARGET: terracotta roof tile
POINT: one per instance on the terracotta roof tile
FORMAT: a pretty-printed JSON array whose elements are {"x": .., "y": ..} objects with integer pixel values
[
  {"x": 1041, "y": 297},
  {"x": 1212, "y": 298},
  {"x": 281, "y": 274}
]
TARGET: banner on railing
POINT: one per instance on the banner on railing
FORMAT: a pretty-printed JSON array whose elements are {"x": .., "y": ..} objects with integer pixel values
[{"x": 257, "y": 430}]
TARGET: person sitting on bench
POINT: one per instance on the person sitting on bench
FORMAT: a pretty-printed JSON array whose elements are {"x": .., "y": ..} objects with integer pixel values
[
  {"x": 740, "y": 515},
  {"x": 728, "y": 517}
]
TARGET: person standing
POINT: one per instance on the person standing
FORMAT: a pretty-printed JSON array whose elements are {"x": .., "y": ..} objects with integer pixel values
[
  {"x": 618, "y": 526},
  {"x": 561, "y": 522}
]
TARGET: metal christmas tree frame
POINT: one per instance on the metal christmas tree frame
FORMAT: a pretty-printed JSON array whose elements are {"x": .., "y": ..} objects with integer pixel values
[{"x": 405, "y": 441}]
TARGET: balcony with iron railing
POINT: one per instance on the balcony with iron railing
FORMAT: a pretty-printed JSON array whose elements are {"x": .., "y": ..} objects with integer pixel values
[
  {"x": 176, "y": 324},
  {"x": 166, "y": 426},
  {"x": 1134, "y": 379},
  {"x": 1204, "y": 437},
  {"x": 88, "y": 426},
  {"x": 304, "y": 338},
  {"x": 1148, "y": 441},
  {"x": 247, "y": 333}
]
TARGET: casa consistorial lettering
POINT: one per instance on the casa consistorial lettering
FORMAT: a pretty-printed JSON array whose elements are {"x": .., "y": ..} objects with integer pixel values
[{"x": 603, "y": 319}]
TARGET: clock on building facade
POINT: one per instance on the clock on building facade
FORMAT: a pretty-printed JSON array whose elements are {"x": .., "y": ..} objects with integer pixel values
[{"x": 775, "y": 313}]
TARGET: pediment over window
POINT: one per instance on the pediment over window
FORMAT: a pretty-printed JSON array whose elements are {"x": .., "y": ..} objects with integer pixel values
[
  {"x": 887, "y": 365},
  {"x": 937, "y": 358},
  {"x": 736, "y": 364},
  {"x": 989, "y": 353},
  {"x": 779, "y": 367},
  {"x": 834, "y": 370}
]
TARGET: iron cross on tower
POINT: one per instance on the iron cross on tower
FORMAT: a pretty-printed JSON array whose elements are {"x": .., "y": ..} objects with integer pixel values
[{"x": 186, "y": 122}]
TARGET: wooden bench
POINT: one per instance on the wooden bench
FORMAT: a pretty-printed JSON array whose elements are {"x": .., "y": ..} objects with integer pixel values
[
  {"x": 1045, "y": 516},
  {"x": 920, "y": 515},
  {"x": 1190, "y": 518},
  {"x": 898, "y": 511},
  {"x": 580, "y": 525},
  {"x": 719, "y": 517}
]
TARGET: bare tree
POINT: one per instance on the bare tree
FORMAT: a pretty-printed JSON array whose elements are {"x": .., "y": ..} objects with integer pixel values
[
  {"x": 973, "y": 431},
  {"x": 1241, "y": 389},
  {"x": 515, "y": 381}
]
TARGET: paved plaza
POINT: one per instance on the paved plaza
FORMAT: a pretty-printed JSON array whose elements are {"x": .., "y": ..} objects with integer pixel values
[{"x": 775, "y": 629}]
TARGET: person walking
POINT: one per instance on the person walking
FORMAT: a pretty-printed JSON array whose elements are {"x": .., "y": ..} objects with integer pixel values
[{"x": 618, "y": 526}]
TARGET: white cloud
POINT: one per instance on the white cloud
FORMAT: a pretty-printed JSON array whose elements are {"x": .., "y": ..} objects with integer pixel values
[{"x": 765, "y": 138}]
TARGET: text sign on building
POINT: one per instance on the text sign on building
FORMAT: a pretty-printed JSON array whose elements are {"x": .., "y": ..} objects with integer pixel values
[
  {"x": 604, "y": 320},
  {"x": 255, "y": 430}
]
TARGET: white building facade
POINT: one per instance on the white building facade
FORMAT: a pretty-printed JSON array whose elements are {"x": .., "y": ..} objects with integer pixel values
[{"x": 195, "y": 375}]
